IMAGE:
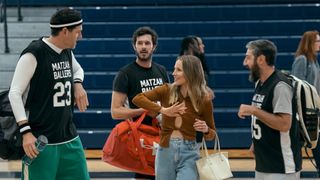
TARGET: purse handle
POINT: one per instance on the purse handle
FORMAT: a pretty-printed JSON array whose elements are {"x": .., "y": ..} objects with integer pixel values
[{"x": 216, "y": 144}]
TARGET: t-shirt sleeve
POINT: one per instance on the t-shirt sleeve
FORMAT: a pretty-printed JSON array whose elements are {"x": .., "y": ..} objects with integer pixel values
[
  {"x": 121, "y": 82},
  {"x": 282, "y": 98},
  {"x": 167, "y": 80},
  {"x": 164, "y": 73}
]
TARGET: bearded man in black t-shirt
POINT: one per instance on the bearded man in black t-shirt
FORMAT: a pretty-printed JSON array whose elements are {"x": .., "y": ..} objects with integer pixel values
[{"x": 275, "y": 138}]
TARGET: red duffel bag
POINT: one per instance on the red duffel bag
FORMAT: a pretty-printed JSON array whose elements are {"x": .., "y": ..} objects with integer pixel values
[{"x": 131, "y": 146}]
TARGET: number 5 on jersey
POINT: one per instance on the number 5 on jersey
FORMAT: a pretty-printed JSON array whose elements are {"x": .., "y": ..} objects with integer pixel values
[{"x": 256, "y": 128}]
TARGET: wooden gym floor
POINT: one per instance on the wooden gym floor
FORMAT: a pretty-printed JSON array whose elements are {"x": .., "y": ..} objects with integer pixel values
[{"x": 242, "y": 165}]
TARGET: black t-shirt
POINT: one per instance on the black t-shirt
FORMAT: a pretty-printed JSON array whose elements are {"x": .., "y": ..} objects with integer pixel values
[
  {"x": 50, "y": 98},
  {"x": 133, "y": 79}
]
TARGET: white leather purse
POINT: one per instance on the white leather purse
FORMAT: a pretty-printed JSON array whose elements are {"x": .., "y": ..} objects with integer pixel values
[{"x": 214, "y": 166}]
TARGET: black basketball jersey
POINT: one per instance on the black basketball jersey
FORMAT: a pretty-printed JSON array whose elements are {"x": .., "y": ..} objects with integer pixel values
[
  {"x": 275, "y": 151},
  {"x": 50, "y": 98}
]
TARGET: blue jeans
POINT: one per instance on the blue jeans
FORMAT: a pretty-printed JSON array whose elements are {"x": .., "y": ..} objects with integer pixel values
[{"x": 178, "y": 161}]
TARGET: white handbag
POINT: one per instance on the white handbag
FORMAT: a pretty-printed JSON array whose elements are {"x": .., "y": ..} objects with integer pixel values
[{"x": 214, "y": 166}]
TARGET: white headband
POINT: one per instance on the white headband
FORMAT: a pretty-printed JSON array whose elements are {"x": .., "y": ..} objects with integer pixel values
[{"x": 65, "y": 25}]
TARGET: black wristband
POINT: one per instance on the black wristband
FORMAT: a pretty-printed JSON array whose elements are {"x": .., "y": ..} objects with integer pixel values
[
  {"x": 24, "y": 128},
  {"x": 77, "y": 81}
]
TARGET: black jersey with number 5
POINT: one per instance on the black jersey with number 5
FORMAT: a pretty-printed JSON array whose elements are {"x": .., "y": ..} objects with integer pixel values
[{"x": 275, "y": 151}]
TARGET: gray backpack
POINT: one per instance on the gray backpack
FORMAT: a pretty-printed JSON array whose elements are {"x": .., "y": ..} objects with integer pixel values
[{"x": 307, "y": 105}]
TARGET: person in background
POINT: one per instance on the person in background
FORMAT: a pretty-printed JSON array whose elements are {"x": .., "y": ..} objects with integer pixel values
[
  {"x": 193, "y": 45},
  {"x": 201, "y": 45},
  {"x": 306, "y": 67},
  {"x": 139, "y": 76},
  {"x": 275, "y": 137},
  {"x": 186, "y": 108},
  {"x": 49, "y": 76}
]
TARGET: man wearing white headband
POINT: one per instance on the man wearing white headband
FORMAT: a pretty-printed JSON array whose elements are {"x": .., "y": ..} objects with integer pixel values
[{"x": 46, "y": 84}]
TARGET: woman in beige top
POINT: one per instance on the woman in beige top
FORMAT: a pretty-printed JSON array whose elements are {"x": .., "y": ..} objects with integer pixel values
[{"x": 186, "y": 107}]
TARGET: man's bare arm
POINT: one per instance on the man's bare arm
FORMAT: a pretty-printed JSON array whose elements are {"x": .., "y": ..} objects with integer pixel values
[{"x": 118, "y": 108}]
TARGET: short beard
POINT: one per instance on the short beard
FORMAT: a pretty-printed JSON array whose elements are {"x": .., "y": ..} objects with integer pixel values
[
  {"x": 254, "y": 73},
  {"x": 144, "y": 58}
]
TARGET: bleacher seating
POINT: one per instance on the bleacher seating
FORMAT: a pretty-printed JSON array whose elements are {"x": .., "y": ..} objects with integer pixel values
[
  {"x": 103, "y": 80},
  {"x": 205, "y": 28},
  {"x": 216, "y": 61},
  {"x": 225, "y": 44},
  {"x": 147, "y": 3},
  {"x": 200, "y": 13},
  {"x": 225, "y": 29}
]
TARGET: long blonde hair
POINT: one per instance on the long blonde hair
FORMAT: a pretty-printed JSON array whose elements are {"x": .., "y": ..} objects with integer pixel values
[{"x": 196, "y": 83}]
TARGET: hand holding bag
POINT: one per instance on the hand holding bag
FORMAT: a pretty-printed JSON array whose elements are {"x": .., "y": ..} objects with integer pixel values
[
  {"x": 131, "y": 146},
  {"x": 214, "y": 166}
]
